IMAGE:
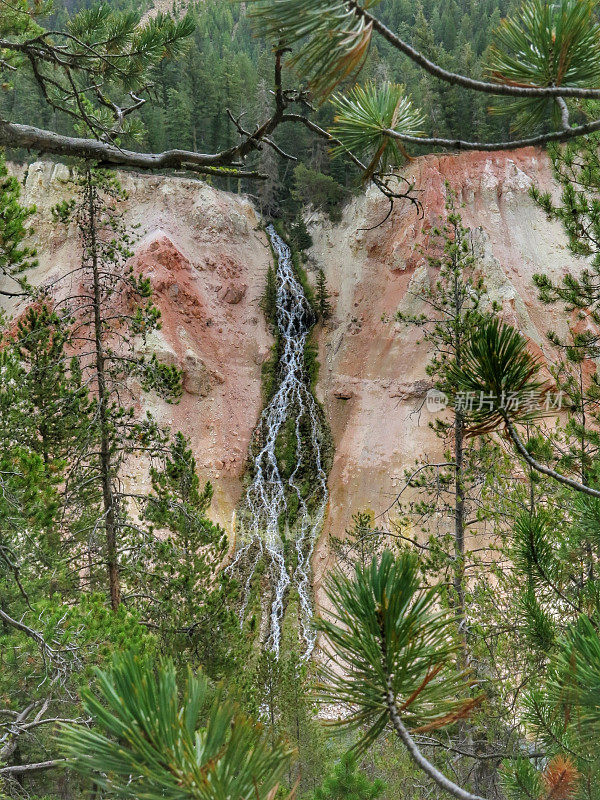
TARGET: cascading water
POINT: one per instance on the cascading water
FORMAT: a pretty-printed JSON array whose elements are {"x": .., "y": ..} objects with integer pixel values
[{"x": 292, "y": 499}]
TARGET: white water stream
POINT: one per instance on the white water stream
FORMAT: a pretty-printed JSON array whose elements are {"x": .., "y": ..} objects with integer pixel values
[{"x": 269, "y": 495}]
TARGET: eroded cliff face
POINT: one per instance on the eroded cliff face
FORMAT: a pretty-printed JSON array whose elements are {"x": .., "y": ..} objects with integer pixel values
[
  {"x": 207, "y": 260},
  {"x": 372, "y": 379}
]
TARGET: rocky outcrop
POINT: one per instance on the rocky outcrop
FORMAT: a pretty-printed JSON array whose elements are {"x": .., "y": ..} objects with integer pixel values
[
  {"x": 372, "y": 379},
  {"x": 207, "y": 260}
]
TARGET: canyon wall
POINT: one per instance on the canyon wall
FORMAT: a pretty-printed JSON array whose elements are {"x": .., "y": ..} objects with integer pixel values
[
  {"x": 373, "y": 380},
  {"x": 207, "y": 259}
]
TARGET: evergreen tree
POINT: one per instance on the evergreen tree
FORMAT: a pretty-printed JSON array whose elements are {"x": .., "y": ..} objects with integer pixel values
[
  {"x": 114, "y": 306},
  {"x": 183, "y": 589},
  {"x": 454, "y": 304},
  {"x": 456, "y": 500},
  {"x": 279, "y": 692},
  {"x": 52, "y": 382},
  {"x": 159, "y": 738},
  {"x": 49, "y": 634},
  {"x": 299, "y": 235},
  {"x": 554, "y": 545},
  {"x": 346, "y": 783},
  {"x": 385, "y": 626},
  {"x": 322, "y": 296},
  {"x": 16, "y": 256}
]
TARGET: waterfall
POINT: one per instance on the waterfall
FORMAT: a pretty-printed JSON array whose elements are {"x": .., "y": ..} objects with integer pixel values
[{"x": 300, "y": 491}]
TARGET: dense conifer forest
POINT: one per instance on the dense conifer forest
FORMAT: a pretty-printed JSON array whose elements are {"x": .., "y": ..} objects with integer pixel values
[{"x": 227, "y": 67}]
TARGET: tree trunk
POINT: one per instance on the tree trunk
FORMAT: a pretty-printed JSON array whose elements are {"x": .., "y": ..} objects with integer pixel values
[
  {"x": 459, "y": 486},
  {"x": 108, "y": 499},
  {"x": 459, "y": 524}
]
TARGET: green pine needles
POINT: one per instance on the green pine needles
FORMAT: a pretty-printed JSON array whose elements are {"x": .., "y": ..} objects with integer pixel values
[
  {"x": 386, "y": 632},
  {"x": 155, "y": 740}
]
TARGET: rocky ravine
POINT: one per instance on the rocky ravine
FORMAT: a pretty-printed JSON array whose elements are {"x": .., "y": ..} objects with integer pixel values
[{"x": 207, "y": 260}]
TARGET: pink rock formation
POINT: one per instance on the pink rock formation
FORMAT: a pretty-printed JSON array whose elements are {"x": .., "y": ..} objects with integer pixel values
[
  {"x": 207, "y": 262},
  {"x": 372, "y": 377}
]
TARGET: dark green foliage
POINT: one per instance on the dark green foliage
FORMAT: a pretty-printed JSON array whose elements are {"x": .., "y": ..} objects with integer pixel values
[
  {"x": 225, "y": 65},
  {"x": 311, "y": 362},
  {"x": 562, "y": 711},
  {"x": 346, "y": 782},
  {"x": 268, "y": 372},
  {"x": 540, "y": 628},
  {"x": 51, "y": 380},
  {"x": 575, "y": 680},
  {"x": 329, "y": 49},
  {"x": 498, "y": 366},
  {"x": 280, "y": 691},
  {"x": 533, "y": 546},
  {"x": 363, "y": 117},
  {"x": 299, "y": 235},
  {"x": 187, "y": 596},
  {"x": 54, "y": 551},
  {"x": 546, "y": 44},
  {"x": 448, "y": 502},
  {"x": 387, "y": 627},
  {"x": 521, "y": 776},
  {"x": 114, "y": 306},
  {"x": 313, "y": 188},
  {"x": 577, "y": 169},
  {"x": 16, "y": 256},
  {"x": 98, "y": 41}
]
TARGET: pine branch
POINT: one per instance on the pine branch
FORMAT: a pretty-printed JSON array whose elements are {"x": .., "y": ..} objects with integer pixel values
[
  {"x": 26, "y": 136},
  {"x": 457, "y": 79},
  {"x": 539, "y": 467},
  {"x": 415, "y": 754},
  {"x": 562, "y": 135}
]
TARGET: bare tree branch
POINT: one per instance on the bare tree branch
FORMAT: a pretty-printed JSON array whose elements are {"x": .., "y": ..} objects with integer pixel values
[
  {"x": 15, "y": 135},
  {"x": 20, "y": 769},
  {"x": 562, "y": 135}
]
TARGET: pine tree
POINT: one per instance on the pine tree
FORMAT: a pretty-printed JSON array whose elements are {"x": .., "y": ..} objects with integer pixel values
[
  {"x": 164, "y": 738},
  {"x": 50, "y": 413},
  {"x": 58, "y": 400},
  {"x": 457, "y": 497},
  {"x": 454, "y": 303},
  {"x": 115, "y": 305},
  {"x": 16, "y": 256},
  {"x": 299, "y": 235},
  {"x": 322, "y": 296},
  {"x": 278, "y": 690},
  {"x": 185, "y": 593},
  {"x": 346, "y": 782}
]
